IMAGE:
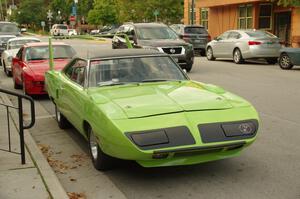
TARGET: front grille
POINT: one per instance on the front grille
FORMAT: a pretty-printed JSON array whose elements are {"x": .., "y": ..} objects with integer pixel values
[{"x": 170, "y": 50}]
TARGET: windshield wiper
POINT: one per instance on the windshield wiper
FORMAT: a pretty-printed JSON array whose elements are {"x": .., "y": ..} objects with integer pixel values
[{"x": 158, "y": 80}]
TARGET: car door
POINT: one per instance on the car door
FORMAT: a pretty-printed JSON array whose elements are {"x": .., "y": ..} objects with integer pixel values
[
  {"x": 231, "y": 43},
  {"x": 72, "y": 92},
  {"x": 219, "y": 48},
  {"x": 18, "y": 65}
]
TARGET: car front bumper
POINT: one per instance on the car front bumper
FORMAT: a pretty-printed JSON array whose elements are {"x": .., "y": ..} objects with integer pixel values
[{"x": 185, "y": 153}]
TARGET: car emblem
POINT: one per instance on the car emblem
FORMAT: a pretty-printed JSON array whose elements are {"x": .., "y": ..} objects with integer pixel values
[
  {"x": 172, "y": 50},
  {"x": 245, "y": 128}
]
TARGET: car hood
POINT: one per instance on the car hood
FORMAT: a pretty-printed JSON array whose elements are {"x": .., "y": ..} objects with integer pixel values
[
  {"x": 12, "y": 52},
  {"x": 40, "y": 67},
  {"x": 154, "y": 99},
  {"x": 162, "y": 43}
]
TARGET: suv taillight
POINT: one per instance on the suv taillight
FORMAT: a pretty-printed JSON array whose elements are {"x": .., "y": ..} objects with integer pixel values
[
  {"x": 208, "y": 38},
  {"x": 252, "y": 43}
]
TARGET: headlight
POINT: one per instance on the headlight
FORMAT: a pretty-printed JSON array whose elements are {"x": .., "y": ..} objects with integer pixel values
[
  {"x": 9, "y": 59},
  {"x": 239, "y": 129}
]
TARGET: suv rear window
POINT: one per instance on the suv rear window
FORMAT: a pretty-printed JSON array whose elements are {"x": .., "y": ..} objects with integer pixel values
[
  {"x": 8, "y": 27},
  {"x": 195, "y": 30}
]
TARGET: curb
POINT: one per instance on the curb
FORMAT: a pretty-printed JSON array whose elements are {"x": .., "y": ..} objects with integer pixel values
[{"x": 51, "y": 182}]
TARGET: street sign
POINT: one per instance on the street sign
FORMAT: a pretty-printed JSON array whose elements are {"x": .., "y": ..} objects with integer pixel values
[
  {"x": 72, "y": 18},
  {"x": 74, "y": 10},
  {"x": 43, "y": 24},
  {"x": 49, "y": 15},
  {"x": 156, "y": 13}
]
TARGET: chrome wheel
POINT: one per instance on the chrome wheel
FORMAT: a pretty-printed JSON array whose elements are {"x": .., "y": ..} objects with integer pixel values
[
  {"x": 209, "y": 54},
  {"x": 93, "y": 145},
  {"x": 285, "y": 61},
  {"x": 237, "y": 56}
]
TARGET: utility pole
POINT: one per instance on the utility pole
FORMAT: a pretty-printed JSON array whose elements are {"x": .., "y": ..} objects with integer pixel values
[
  {"x": 1, "y": 10},
  {"x": 192, "y": 17}
]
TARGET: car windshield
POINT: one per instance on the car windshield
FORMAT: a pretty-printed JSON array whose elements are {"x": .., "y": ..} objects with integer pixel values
[
  {"x": 195, "y": 30},
  {"x": 42, "y": 52},
  {"x": 260, "y": 34},
  {"x": 19, "y": 43},
  {"x": 8, "y": 27},
  {"x": 156, "y": 32},
  {"x": 133, "y": 70},
  {"x": 62, "y": 27}
]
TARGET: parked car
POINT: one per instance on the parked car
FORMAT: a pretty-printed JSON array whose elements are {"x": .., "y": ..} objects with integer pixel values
[
  {"x": 244, "y": 44},
  {"x": 289, "y": 57},
  {"x": 32, "y": 61},
  {"x": 110, "y": 33},
  {"x": 8, "y": 28},
  {"x": 137, "y": 104},
  {"x": 72, "y": 32},
  {"x": 193, "y": 34},
  {"x": 94, "y": 32},
  {"x": 12, "y": 47},
  {"x": 156, "y": 36},
  {"x": 59, "y": 30},
  {"x": 3, "y": 42}
]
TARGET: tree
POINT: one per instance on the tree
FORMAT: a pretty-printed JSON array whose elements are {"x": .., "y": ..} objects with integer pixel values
[
  {"x": 31, "y": 12},
  {"x": 62, "y": 6},
  {"x": 104, "y": 12},
  {"x": 286, "y": 3}
]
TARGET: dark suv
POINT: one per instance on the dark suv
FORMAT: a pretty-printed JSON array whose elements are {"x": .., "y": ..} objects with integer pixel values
[
  {"x": 194, "y": 34},
  {"x": 158, "y": 37},
  {"x": 8, "y": 28}
]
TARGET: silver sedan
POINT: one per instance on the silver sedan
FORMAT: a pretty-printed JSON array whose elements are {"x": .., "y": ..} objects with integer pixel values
[{"x": 244, "y": 44}]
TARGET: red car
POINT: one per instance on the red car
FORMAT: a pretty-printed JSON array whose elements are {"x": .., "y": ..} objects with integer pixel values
[{"x": 32, "y": 61}]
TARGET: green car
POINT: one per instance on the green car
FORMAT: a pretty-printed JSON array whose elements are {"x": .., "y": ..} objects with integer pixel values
[{"x": 135, "y": 104}]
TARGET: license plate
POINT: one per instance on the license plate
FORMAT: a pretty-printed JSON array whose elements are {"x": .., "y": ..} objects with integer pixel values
[{"x": 198, "y": 41}]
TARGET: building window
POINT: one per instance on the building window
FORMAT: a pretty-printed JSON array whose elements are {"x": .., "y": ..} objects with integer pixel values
[
  {"x": 191, "y": 14},
  {"x": 204, "y": 17},
  {"x": 265, "y": 16},
  {"x": 245, "y": 20}
]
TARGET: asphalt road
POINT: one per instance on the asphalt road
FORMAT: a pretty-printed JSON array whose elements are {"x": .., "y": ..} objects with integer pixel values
[{"x": 270, "y": 168}]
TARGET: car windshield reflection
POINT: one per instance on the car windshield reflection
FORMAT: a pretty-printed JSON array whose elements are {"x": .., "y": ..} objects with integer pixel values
[{"x": 134, "y": 70}]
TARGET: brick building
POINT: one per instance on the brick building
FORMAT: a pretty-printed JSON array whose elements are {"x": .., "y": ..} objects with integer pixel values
[{"x": 219, "y": 16}]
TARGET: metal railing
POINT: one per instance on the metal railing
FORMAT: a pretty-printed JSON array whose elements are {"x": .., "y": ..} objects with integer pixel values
[{"x": 19, "y": 109}]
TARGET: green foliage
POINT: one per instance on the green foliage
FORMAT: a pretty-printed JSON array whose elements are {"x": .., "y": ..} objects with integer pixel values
[
  {"x": 30, "y": 12},
  {"x": 105, "y": 12},
  {"x": 64, "y": 6},
  {"x": 286, "y": 3}
]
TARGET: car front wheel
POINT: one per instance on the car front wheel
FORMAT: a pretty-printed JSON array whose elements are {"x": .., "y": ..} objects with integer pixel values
[
  {"x": 100, "y": 160},
  {"x": 63, "y": 123},
  {"x": 285, "y": 62},
  {"x": 237, "y": 56}
]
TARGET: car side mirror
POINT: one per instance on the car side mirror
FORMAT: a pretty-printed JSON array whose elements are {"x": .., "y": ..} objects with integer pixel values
[
  {"x": 184, "y": 70},
  {"x": 216, "y": 38},
  {"x": 15, "y": 59}
]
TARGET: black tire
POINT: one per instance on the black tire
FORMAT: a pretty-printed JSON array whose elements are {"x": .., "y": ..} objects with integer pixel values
[
  {"x": 16, "y": 86},
  {"x": 188, "y": 67},
  {"x": 7, "y": 72},
  {"x": 63, "y": 123},
  {"x": 203, "y": 53},
  {"x": 100, "y": 160},
  {"x": 238, "y": 57},
  {"x": 210, "y": 54},
  {"x": 285, "y": 62},
  {"x": 272, "y": 60}
]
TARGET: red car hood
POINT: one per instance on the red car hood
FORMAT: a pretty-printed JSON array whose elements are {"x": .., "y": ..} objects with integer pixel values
[{"x": 40, "y": 67}]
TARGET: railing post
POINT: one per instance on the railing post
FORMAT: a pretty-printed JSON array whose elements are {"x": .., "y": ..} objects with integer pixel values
[{"x": 21, "y": 129}]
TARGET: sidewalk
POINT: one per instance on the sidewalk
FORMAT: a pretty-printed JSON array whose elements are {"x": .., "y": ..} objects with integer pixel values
[{"x": 35, "y": 179}]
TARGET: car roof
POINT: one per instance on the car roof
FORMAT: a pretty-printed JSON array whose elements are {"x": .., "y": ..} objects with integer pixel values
[
  {"x": 149, "y": 24},
  {"x": 125, "y": 53},
  {"x": 33, "y": 44},
  {"x": 23, "y": 38}
]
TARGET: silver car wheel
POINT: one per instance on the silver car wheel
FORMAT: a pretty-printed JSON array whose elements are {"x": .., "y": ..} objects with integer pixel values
[
  {"x": 58, "y": 116},
  {"x": 237, "y": 56},
  {"x": 93, "y": 145},
  {"x": 209, "y": 53},
  {"x": 285, "y": 61}
]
